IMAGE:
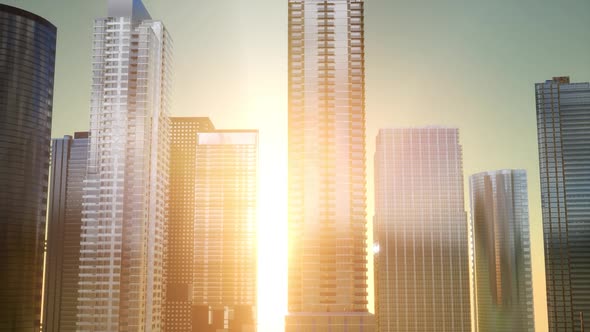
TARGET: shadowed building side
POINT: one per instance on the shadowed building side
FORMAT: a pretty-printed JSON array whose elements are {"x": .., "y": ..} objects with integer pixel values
[
  {"x": 563, "y": 117},
  {"x": 69, "y": 158},
  {"x": 503, "y": 275},
  {"x": 27, "y": 64},
  {"x": 180, "y": 268}
]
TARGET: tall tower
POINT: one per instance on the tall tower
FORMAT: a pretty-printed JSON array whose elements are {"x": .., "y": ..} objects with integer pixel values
[
  {"x": 69, "y": 159},
  {"x": 327, "y": 194},
  {"x": 27, "y": 64},
  {"x": 125, "y": 206},
  {"x": 503, "y": 276},
  {"x": 180, "y": 260},
  {"x": 563, "y": 114},
  {"x": 225, "y": 275},
  {"x": 422, "y": 265},
  {"x": 212, "y": 259}
]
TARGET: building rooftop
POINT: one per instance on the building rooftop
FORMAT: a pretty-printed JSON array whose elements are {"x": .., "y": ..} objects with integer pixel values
[{"x": 128, "y": 8}]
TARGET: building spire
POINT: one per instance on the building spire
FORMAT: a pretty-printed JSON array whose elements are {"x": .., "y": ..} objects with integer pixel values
[{"x": 128, "y": 8}]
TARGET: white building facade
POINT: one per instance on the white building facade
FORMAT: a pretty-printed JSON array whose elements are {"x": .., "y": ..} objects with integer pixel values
[{"x": 125, "y": 194}]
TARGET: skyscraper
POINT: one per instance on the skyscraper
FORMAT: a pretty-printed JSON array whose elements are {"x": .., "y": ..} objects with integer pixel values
[
  {"x": 503, "y": 276},
  {"x": 327, "y": 194},
  {"x": 125, "y": 206},
  {"x": 422, "y": 261},
  {"x": 69, "y": 159},
  {"x": 27, "y": 64},
  {"x": 180, "y": 261},
  {"x": 563, "y": 115},
  {"x": 225, "y": 256},
  {"x": 212, "y": 259}
]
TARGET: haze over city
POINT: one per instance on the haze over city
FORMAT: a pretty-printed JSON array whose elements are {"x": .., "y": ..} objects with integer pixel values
[{"x": 458, "y": 64}]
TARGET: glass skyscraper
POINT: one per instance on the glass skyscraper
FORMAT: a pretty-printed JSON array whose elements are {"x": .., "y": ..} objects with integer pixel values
[
  {"x": 225, "y": 252},
  {"x": 420, "y": 231},
  {"x": 327, "y": 193},
  {"x": 69, "y": 159},
  {"x": 211, "y": 267},
  {"x": 563, "y": 120},
  {"x": 27, "y": 64},
  {"x": 125, "y": 208},
  {"x": 180, "y": 253},
  {"x": 503, "y": 276}
]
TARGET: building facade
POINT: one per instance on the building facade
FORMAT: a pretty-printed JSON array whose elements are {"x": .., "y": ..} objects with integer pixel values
[
  {"x": 225, "y": 275},
  {"x": 180, "y": 261},
  {"x": 125, "y": 206},
  {"x": 327, "y": 190},
  {"x": 563, "y": 114},
  {"x": 502, "y": 251},
  {"x": 421, "y": 233},
  {"x": 69, "y": 159},
  {"x": 212, "y": 257},
  {"x": 27, "y": 64}
]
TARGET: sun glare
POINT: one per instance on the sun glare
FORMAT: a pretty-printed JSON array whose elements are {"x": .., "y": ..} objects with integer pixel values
[{"x": 272, "y": 212}]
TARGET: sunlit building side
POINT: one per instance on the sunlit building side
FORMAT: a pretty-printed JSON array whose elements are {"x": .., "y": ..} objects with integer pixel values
[
  {"x": 27, "y": 65},
  {"x": 125, "y": 207},
  {"x": 327, "y": 276},
  {"x": 421, "y": 234},
  {"x": 503, "y": 275},
  {"x": 224, "y": 285},
  {"x": 563, "y": 119}
]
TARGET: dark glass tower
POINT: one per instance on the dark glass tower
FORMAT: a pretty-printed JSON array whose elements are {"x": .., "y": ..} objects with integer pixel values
[
  {"x": 69, "y": 159},
  {"x": 503, "y": 276},
  {"x": 563, "y": 122},
  {"x": 180, "y": 261},
  {"x": 27, "y": 63}
]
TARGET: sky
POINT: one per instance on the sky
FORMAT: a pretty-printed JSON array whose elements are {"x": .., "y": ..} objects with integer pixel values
[{"x": 465, "y": 63}]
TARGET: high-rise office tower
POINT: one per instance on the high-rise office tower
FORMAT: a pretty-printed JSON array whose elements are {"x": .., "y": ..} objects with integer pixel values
[
  {"x": 211, "y": 265},
  {"x": 422, "y": 274},
  {"x": 27, "y": 63},
  {"x": 327, "y": 194},
  {"x": 503, "y": 276},
  {"x": 125, "y": 205},
  {"x": 69, "y": 159},
  {"x": 563, "y": 115},
  {"x": 225, "y": 255},
  {"x": 180, "y": 261}
]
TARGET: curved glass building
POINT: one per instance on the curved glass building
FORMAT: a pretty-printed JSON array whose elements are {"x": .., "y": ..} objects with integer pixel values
[
  {"x": 503, "y": 276},
  {"x": 27, "y": 63}
]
